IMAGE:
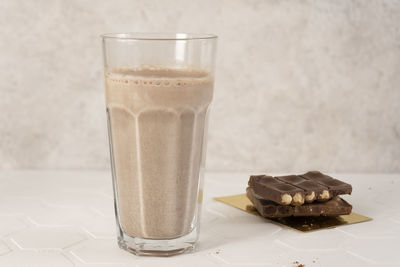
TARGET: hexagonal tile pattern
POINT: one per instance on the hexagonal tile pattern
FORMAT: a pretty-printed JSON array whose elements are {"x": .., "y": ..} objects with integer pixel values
[
  {"x": 331, "y": 258},
  {"x": 192, "y": 260},
  {"x": 61, "y": 218},
  {"x": 208, "y": 217},
  {"x": 3, "y": 248},
  {"x": 101, "y": 251},
  {"x": 9, "y": 225},
  {"x": 261, "y": 253},
  {"x": 378, "y": 251},
  {"x": 101, "y": 228},
  {"x": 43, "y": 238},
  {"x": 34, "y": 259},
  {"x": 85, "y": 198},
  {"x": 71, "y": 198},
  {"x": 313, "y": 241},
  {"x": 209, "y": 242},
  {"x": 243, "y": 226},
  {"x": 49, "y": 215},
  {"x": 376, "y": 229},
  {"x": 219, "y": 209},
  {"x": 15, "y": 206}
]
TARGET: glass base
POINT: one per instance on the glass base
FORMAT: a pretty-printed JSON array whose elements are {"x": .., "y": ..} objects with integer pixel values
[{"x": 160, "y": 248}]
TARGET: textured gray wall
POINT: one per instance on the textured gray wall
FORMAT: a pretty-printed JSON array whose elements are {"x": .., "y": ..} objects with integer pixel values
[{"x": 300, "y": 84}]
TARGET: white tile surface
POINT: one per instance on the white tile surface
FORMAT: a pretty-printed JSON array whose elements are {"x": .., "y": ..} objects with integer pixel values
[
  {"x": 37, "y": 229},
  {"x": 193, "y": 260},
  {"x": 101, "y": 228},
  {"x": 377, "y": 229},
  {"x": 242, "y": 227},
  {"x": 4, "y": 249},
  {"x": 47, "y": 238},
  {"x": 384, "y": 251},
  {"x": 323, "y": 240},
  {"x": 20, "y": 258},
  {"x": 101, "y": 251},
  {"x": 10, "y": 225},
  {"x": 49, "y": 215},
  {"x": 250, "y": 252}
]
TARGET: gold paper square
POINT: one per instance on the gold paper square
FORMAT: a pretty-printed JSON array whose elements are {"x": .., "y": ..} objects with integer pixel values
[{"x": 303, "y": 224}]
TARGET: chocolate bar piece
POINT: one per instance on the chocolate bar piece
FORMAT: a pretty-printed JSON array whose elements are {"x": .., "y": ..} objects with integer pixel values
[
  {"x": 312, "y": 190},
  {"x": 297, "y": 189},
  {"x": 336, "y": 187},
  {"x": 334, "y": 207},
  {"x": 275, "y": 190}
]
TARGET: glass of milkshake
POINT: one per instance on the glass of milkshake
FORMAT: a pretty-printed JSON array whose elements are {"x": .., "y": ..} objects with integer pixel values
[{"x": 158, "y": 92}]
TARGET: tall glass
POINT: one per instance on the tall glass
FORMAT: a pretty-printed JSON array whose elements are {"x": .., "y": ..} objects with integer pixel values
[{"x": 158, "y": 91}]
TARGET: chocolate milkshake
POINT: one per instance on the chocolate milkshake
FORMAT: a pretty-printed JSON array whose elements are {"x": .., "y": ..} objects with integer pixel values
[{"x": 157, "y": 118}]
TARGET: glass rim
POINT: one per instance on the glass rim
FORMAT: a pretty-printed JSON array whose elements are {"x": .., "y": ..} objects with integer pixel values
[{"x": 158, "y": 36}]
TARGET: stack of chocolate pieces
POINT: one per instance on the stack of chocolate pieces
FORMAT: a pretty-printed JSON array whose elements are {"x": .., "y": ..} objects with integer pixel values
[{"x": 309, "y": 194}]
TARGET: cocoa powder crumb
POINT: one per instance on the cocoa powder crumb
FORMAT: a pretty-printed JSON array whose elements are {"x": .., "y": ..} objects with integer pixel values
[{"x": 298, "y": 264}]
